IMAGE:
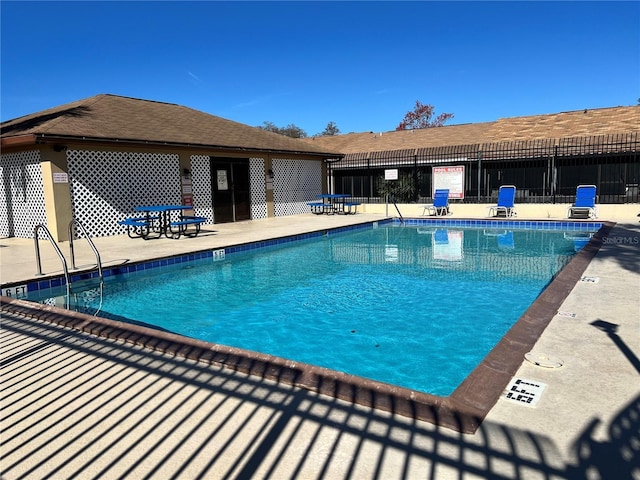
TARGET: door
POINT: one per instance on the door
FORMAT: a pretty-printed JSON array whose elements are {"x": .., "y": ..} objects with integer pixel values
[
  {"x": 231, "y": 191},
  {"x": 241, "y": 191}
]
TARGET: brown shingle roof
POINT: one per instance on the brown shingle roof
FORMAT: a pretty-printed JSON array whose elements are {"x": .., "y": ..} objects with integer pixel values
[
  {"x": 111, "y": 117},
  {"x": 403, "y": 139},
  {"x": 580, "y": 123}
]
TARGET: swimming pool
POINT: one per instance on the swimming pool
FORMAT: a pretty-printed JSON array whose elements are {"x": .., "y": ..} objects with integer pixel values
[{"x": 356, "y": 301}]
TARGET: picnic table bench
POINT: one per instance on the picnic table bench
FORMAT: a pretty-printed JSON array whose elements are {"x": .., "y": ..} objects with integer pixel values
[
  {"x": 321, "y": 207},
  {"x": 138, "y": 227},
  {"x": 350, "y": 208},
  {"x": 182, "y": 226}
]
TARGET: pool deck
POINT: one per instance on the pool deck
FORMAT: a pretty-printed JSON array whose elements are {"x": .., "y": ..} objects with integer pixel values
[{"x": 80, "y": 405}]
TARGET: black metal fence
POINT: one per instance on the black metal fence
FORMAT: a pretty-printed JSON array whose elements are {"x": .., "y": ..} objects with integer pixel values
[{"x": 543, "y": 171}]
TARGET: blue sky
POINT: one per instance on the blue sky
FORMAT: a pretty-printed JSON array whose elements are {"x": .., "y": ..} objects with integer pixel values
[{"x": 359, "y": 64}]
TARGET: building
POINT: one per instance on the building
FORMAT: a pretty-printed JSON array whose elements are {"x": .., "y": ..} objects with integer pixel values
[
  {"x": 544, "y": 156},
  {"x": 94, "y": 160}
]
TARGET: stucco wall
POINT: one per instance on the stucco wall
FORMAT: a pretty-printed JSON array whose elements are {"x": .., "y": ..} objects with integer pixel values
[{"x": 538, "y": 211}]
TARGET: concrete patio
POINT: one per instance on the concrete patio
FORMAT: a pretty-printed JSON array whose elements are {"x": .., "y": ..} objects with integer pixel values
[{"x": 77, "y": 405}]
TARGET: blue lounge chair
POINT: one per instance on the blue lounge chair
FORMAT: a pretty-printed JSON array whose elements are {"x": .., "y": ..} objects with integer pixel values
[
  {"x": 505, "y": 241},
  {"x": 585, "y": 204},
  {"x": 506, "y": 200},
  {"x": 579, "y": 239},
  {"x": 440, "y": 205},
  {"x": 441, "y": 236},
  {"x": 504, "y": 237}
]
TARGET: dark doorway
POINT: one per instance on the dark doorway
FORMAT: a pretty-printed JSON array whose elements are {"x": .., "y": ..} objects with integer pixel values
[{"x": 231, "y": 191}]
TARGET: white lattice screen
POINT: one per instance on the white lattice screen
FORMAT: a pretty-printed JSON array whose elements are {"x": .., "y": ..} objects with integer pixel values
[
  {"x": 258, "y": 192},
  {"x": 295, "y": 183},
  {"x": 22, "y": 206},
  {"x": 106, "y": 186},
  {"x": 201, "y": 181}
]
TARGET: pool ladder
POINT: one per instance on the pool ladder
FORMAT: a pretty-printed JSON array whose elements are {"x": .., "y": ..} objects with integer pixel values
[
  {"x": 393, "y": 200},
  {"x": 81, "y": 285}
]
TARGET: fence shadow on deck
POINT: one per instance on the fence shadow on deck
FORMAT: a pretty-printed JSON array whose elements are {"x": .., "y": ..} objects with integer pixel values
[{"x": 77, "y": 405}]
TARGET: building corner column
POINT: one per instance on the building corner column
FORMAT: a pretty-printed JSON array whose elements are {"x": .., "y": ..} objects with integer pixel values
[{"x": 57, "y": 194}]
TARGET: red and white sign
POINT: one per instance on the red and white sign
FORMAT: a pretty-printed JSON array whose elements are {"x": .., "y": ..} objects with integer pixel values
[
  {"x": 451, "y": 178},
  {"x": 187, "y": 200}
]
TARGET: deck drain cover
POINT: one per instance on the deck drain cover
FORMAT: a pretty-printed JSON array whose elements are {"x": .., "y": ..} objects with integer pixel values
[
  {"x": 524, "y": 392},
  {"x": 543, "y": 360}
]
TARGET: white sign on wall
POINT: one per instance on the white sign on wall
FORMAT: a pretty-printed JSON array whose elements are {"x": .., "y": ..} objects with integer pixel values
[
  {"x": 391, "y": 174},
  {"x": 223, "y": 183},
  {"x": 60, "y": 177},
  {"x": 451, "y": 178}
]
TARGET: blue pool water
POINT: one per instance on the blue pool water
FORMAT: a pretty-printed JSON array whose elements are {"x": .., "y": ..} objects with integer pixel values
[{"x": 417, "y": 307}]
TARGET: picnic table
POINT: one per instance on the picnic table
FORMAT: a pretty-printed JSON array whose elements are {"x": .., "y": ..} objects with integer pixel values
[
  {"x": 331, "y": 203},
  {"x": 158, "y": 220}
]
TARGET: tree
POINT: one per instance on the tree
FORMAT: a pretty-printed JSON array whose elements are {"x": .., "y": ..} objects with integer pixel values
[
  {"x": 269, "y": 127},
  {"x": 421, "y": 117},
  {"x": 405, "y": 189},
  {"x": 402, "y": 190},
  {"x": 290, "y": 130},
  {"x": 330, "y": 130},
  {"x": 293, "y": 131}
]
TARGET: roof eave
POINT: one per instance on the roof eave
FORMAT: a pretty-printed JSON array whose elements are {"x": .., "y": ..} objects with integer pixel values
[
  {"x": 18, "y": 141},
  {"x": 45, "y": 138}
]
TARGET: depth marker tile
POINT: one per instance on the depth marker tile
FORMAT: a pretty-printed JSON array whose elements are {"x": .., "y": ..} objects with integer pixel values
[{"x": 524, "y": 392}]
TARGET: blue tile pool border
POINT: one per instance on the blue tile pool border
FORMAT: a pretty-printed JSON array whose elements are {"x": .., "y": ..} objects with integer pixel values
[
  {"x": 590, "y": 226},
  {"x": 59, "y": 281}
]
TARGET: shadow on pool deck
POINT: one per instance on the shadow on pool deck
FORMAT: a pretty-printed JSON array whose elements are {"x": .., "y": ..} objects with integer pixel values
[
  {"x": 195, "y": 419},
  {"x": 88, "y": 407}
]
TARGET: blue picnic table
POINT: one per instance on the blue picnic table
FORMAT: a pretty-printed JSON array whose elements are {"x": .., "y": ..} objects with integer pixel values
[
  {"x": 158, "y": 220},
  {"x": 331, "y": 203}
]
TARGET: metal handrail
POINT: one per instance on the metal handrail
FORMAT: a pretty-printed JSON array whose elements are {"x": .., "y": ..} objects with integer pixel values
[
  {"x": 58, "y": 251},
  {"x": 77, "y": 224},
  {"x": 393, "y": 200}
]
